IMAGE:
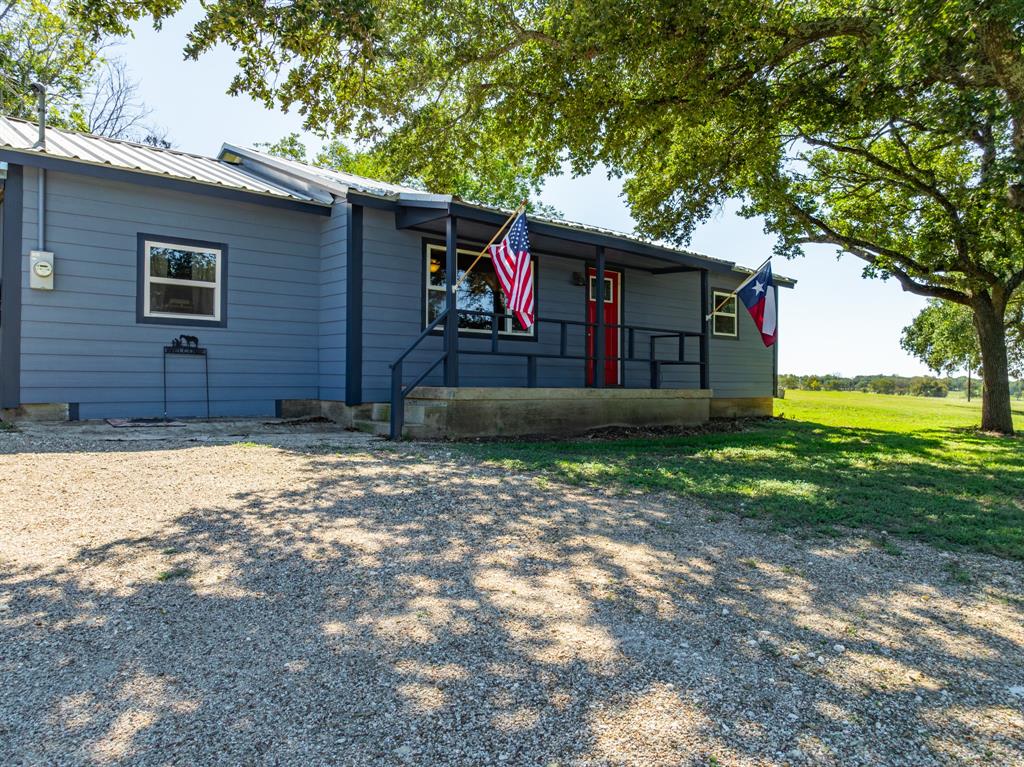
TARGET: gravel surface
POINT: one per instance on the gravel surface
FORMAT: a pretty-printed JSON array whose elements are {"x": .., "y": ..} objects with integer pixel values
[{"x": 337, "y": 600}]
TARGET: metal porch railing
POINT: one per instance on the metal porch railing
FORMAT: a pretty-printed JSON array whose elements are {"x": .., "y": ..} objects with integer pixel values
[{"x": 628, "y": 342}]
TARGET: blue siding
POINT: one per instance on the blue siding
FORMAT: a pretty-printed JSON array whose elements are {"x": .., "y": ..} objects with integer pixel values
[
  {"x": 331, "y": 340},
  {"x": 394, "y": 316},
  {"x": 742, "y": 366},
  {"x": 286, "y": 290},
  {"x": 81, "y": 342}
]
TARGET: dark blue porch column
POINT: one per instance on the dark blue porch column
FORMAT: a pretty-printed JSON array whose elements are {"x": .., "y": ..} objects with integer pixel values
[
  {"x": 599, "y": 319},
  {"x": 705, "y": 330},
  {"x": 451, "y": 323}
]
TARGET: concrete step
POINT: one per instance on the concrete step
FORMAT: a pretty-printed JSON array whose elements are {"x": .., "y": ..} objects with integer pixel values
[
  {"x": 380, "y": 428},
  {"x": 414, "y": 414}
]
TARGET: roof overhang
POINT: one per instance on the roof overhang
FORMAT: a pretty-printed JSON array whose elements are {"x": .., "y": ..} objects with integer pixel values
[{"x": 428, "y": 212}]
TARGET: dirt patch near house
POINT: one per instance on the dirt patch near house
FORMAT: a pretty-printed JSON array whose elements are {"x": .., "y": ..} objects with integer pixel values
[
  {"x": 612, "y": 433},
  {"x": 362, "y": 603}
]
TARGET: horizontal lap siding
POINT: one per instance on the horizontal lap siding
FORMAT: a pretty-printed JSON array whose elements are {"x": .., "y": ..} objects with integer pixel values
[
  {"x": 81, "y": 342},
  {"x": 393, "y": 308},
  {"x": 671, "y": 302},
  {"x": 333, "y": 303},
  {"x": 743, "y": 366}
]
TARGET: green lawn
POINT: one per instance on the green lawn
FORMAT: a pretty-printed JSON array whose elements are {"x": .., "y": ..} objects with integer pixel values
[{"x": 910, "y": 466}]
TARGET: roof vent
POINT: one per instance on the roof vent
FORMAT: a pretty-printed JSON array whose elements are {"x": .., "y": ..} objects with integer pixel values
[{"x": 40, "y": 90}]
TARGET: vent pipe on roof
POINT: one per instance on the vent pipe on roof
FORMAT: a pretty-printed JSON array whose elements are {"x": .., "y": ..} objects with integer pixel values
[{"x": 40, "y": 90}]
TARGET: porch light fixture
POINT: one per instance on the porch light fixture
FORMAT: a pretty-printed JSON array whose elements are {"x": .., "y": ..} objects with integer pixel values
[{"x": 577, "y": 279}]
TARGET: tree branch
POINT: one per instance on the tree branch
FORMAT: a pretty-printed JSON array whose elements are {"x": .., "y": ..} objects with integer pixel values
[{"x": 826, "y": 235}]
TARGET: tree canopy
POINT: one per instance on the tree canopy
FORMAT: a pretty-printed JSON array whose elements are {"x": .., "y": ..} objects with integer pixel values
[
  {"x": 943, "y": 337},
  {"x": 39, "y": 42},
  {"x": 86, "y": 90},
  {"x": 892, "y": 130}
]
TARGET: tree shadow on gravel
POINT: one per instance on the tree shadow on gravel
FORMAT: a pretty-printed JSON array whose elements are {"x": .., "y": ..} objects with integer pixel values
[{"x": 415, "y": 608}]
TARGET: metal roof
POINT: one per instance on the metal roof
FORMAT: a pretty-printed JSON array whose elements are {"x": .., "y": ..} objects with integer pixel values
[
  {"x": 336, "y": 181},
  {"x": 21, "y": 136},
  {"x": 308, "y": 177}
]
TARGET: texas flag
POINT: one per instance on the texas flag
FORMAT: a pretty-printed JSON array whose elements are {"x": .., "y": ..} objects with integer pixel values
[{"x": 758, "y": 295}]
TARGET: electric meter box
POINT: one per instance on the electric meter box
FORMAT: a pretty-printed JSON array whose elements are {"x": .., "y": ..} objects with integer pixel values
[{"x": 40, "y": 270}]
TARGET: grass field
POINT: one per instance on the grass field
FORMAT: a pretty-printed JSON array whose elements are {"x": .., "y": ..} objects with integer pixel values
[{"x": 909, "y": 466}]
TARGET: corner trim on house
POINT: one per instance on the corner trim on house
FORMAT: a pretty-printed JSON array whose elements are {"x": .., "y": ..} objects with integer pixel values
[
  {"x": 775, "y": 351},
  {"x": 140, "y": 281},
  {"x": 10, "y": 289},
  {"x": 159, "y": 182},
  {"x": 354, "y": 307}
]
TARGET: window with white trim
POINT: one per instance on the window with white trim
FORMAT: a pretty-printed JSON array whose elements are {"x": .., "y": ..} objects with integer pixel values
[
  {"x": 182, "y": 282},
  {"x": 723, "y": 319},
  {"x": 479, "y": 292}
]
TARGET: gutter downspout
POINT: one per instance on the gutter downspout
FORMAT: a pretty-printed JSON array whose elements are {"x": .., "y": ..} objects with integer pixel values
[{"x": 40, "y": 90}]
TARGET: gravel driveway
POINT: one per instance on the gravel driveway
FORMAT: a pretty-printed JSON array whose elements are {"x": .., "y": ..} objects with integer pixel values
[{"x": 348, "y": 602}]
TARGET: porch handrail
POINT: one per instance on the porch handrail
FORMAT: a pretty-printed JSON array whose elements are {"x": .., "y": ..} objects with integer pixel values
[{"x": 399, "y": 391}]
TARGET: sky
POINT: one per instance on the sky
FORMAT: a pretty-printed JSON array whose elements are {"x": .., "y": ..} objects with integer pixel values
[{"x": 834, "y": 321}]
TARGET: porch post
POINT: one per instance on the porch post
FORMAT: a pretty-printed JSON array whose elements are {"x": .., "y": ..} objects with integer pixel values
[
  {"x": 705, "y": 330},
  {"x": 451, "y": 323},
  {"x": 599, "y": 320}
]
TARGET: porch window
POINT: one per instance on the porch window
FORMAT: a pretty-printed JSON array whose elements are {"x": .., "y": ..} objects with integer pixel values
[
  {"x": 479, "y": 292},
  {"x": 181, "y": 281},
  {"x": 723, "y": 321}
]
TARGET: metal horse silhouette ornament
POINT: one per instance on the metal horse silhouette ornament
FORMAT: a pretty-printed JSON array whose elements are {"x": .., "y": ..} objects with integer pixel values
[{"x": 185, "y": 344}]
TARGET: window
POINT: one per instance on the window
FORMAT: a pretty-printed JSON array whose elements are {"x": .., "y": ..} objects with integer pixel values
[
  {"x": 609, "y": 289},
  {"x": 181, "y": 281},
  {"x": 479, "y": 292},
  {"x": 723, "y": 320}
]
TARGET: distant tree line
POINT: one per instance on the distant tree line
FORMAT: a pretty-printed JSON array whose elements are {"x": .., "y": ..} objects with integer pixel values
[{"x": 916, "y": 386}]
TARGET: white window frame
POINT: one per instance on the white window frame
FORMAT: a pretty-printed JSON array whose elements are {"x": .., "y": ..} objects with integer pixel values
[
  {"x": 147, "y": 311},
  {"x": 505, "y": 328},
  {"x": 716, "y": 298}
]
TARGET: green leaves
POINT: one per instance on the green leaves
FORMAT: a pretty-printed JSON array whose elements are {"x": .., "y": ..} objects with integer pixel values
[
  {"x": 40, "y": 42},
  {"x": 943, "y": 337},
  {"x": 893, "y": 130}
]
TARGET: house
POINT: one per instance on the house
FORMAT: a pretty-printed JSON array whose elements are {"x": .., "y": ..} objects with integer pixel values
[{"x": 147, "y": 282}]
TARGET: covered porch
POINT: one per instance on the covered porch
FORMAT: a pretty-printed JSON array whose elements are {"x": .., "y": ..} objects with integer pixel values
[{"x": 643, "y": 359}]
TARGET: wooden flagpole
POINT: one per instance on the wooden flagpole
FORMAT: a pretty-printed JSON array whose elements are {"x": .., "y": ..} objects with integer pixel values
[
  {"x": 483, "y": 252},
  {"x": 739, "y": 287}
]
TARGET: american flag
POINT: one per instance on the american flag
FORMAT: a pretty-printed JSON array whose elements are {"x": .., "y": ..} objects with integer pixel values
[{"x": 514, "y": 268}]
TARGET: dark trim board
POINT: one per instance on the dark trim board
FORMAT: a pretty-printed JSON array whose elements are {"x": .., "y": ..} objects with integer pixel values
[
  {"x": 354, "y": 307},
  {"x": 160, "y": 182},
  {"x": 140, "y": 281},
  {"x": 10, "y": 288}
]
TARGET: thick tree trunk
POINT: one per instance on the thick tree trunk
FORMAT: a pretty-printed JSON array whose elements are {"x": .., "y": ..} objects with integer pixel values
[{"x": 995, "y": 396}]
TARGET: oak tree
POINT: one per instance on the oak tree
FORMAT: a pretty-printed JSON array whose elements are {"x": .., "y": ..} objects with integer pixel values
[{"x": 892, "y": 130}]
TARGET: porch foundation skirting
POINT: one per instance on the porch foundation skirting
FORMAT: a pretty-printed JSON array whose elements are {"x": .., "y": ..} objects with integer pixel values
[
  {"x": 495, "y": 412},
  {"x": 438, "y": 412},
  {"x": 741, "y": 407}
]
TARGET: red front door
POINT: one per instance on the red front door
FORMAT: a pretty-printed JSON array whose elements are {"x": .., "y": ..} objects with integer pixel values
[{"x": 612, "y": 318}]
